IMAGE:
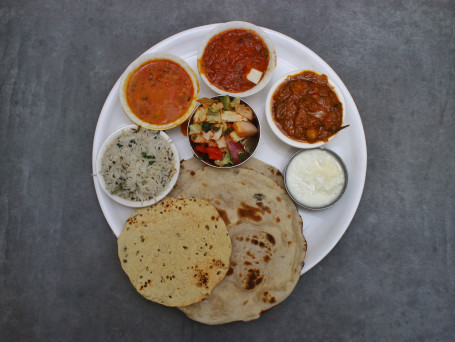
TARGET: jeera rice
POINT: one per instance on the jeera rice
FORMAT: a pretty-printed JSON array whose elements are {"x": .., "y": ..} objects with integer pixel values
[{"x": 138, "y": 164}]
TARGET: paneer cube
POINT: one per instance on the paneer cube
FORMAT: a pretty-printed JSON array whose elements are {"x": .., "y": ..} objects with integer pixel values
[{"x": 254, "y": 75}]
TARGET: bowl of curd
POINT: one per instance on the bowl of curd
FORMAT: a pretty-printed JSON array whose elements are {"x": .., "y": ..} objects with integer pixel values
[{"x": 316, "y": 178}]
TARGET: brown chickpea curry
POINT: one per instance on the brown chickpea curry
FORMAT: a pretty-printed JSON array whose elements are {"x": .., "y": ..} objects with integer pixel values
[{"x": 306, "y": 109}]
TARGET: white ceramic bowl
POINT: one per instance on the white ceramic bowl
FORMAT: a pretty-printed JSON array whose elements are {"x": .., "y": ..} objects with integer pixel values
[
  {"x": 239, "y": 25},
  {"x": 128, "y": 73},
  {"x": 131, "y": 203},
  {"x": 277, "y": 131}
]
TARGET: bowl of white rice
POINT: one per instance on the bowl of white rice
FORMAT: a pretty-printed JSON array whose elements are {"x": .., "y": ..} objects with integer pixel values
[{"x": 137, "y": 167}]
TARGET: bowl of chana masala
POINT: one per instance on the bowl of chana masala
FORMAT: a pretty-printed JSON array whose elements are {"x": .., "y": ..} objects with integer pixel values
[{"x": 305, "y": 109}]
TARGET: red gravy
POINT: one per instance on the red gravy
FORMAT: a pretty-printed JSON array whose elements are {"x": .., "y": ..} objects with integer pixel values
[{"x": 229, "y": 57}]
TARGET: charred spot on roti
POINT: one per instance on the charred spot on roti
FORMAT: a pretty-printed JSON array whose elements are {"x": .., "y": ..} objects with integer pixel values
[
  {"x": 224, "y": 216},
  {"x": 249, "y": 212},
  {"x": 268, "y": 298},
  {"x": 253, "y": 278},
  {"x": 258, "y": 197},
  {"x": 263, "y": 207},
  {"x": 271, "y": 238},
  {"x": 230, "y": 271},
  {"x": 278, "y": 199}
]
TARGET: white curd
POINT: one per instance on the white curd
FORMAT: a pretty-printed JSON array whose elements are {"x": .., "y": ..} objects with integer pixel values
[{"x": 315, "y": 178}]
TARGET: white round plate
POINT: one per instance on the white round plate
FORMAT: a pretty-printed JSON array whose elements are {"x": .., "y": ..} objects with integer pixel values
[{"x": 322, "y": 229}]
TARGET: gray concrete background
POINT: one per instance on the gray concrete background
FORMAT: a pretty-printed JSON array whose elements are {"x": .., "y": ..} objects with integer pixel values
[{"x": 390, "y": 278}]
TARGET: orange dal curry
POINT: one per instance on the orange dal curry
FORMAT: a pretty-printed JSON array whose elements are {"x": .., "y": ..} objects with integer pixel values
[{"x": 159, "y": 92}]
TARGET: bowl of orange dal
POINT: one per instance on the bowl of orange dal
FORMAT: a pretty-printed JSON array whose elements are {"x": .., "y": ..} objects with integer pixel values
[{"x": 158, "y": 91}]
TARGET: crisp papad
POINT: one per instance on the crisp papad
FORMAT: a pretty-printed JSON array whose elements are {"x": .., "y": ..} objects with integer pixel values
[{"x": 176, "y": 251}]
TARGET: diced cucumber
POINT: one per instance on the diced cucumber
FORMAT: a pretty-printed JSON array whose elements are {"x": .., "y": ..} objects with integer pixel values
[
  {"x": 195, "y": 128},
  {"x": 235, "y": 137},
  {"x": 226, "y": 101}
]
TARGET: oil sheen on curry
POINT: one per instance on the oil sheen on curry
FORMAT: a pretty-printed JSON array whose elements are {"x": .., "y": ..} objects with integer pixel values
[
  {"x": 230, "y": 56},
  {"x": 159, "y": 92},
  {"x": 306, "y": 109}
]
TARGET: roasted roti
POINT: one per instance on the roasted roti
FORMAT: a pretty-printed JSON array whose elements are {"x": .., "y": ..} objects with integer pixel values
[
  {"x": 252, "y": 164},
  {"x": 176, "y": 251},
  {"x": 268, "y": 247}
]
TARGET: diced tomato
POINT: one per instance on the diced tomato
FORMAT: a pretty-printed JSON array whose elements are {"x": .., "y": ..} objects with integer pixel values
[{"x": 214, "y": 153}]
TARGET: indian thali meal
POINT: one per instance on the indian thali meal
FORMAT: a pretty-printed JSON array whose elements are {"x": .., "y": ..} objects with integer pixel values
[
  {"x": 223, "y": 131},
  {"x": 218, "y": 235}
]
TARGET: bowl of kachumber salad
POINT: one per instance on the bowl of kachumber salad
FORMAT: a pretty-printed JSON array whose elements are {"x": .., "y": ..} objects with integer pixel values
[{"x": 224, "y": 131}]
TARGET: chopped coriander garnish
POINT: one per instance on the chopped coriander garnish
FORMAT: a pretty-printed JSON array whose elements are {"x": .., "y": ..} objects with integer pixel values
[
  {"x": 120, "y": 186},
  {"x": 146, "y": 156},
  {"x": 119, "y": 145},
  {"x": 206, "y": 126},
  {"x": 266, "y": 53}
]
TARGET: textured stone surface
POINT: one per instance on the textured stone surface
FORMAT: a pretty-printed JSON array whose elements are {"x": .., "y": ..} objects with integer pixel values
[{"x": 391, "y": 277}]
